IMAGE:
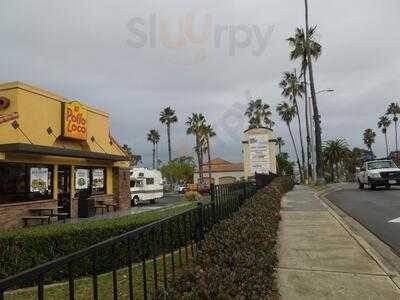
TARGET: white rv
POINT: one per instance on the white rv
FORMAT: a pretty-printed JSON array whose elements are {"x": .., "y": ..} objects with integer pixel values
[{"x": 146, "y": 185}]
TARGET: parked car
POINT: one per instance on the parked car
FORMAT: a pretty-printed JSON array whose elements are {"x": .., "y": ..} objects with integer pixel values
[
  {"x": 202, "y": 189},
  {"x": 376, "y": 173},
  {"x": 146, "y": 186},
  {"x": 181, "y": 188}
]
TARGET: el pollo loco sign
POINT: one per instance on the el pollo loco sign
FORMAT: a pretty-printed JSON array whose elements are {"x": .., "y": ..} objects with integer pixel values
[{"x": 74, "y": 121}]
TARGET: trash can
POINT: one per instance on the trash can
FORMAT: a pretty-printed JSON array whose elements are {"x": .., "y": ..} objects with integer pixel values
[{"x": 86, "y": 205}]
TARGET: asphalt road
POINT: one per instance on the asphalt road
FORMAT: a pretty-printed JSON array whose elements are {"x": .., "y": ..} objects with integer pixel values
[{"x": 374, "y": 210}]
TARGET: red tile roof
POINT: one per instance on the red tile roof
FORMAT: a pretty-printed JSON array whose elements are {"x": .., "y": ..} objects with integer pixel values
[{"x": 222, "y": 165}]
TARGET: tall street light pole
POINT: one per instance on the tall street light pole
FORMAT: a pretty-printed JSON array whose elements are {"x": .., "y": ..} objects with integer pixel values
[
  {"x": 317, "y": 117},
  {"x": 312, "y": 140}
]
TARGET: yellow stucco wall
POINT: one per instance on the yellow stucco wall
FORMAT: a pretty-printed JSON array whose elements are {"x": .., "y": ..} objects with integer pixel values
[{"x": 39, "y": 110}]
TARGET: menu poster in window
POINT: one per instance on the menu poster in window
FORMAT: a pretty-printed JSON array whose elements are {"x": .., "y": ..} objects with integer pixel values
[
  {"x": 39, "y": 180},
  {"x": 98, "y": 178},
  {"x": 82, "y": 179}
]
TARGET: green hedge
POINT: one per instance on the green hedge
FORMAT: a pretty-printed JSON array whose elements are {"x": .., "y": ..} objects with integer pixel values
[
  {"x": 22, "y": 249},
  {"x": 238, "y": 257}
]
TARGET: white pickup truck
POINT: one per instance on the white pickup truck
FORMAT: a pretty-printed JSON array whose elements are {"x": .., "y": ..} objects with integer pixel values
[{"x": 376, "y": 173}]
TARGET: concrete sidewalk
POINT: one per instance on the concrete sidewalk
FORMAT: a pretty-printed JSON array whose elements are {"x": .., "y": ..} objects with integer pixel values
[{"x": 319, "y": 258}]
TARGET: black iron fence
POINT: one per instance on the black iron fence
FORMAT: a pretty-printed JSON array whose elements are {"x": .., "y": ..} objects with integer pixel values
[{"x": 145, "y": 258}]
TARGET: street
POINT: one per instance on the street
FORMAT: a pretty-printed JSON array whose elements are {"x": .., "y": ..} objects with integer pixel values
[{"x": 375, "y": 210}]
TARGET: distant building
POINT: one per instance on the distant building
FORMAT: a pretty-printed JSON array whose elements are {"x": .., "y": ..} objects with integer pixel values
[
  {"x": 259, "y": 152},
  {"x": 222, "y": 172}
]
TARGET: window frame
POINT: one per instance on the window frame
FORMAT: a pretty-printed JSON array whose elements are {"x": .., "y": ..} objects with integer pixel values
[
  {"x": 27, "y": 195},
  {"x": 90, "y": 188}
]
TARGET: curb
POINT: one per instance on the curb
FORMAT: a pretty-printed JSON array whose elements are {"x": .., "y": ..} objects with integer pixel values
[{"x": 388, "y": 261}]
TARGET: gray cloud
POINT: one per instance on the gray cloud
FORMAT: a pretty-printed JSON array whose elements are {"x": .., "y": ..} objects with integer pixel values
[{"x": 80, "y": 50}]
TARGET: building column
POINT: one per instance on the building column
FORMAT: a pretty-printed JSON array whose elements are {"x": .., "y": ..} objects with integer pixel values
[
  {"x": 121, "y": 187},
  {"x": 55, "y": 182}
]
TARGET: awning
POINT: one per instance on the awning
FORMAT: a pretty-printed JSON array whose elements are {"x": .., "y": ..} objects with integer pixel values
[{"x": 45, "y": 150}]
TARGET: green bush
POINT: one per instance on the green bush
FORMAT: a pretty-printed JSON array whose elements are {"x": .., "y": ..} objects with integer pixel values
[
  {"x": 238, "y": 256},
  {"x": 22, "y": 249},
  {"x": 193, "y": 196}
]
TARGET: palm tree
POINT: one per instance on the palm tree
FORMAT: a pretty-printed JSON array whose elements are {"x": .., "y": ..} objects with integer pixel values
[
  {"x": 384, "y": 123},
  {"x": 394, "y": 111},
  {"x": 195, "y": 125},
  {"x": 280, "y": 143},
  {"x": 293, "y": 88},
  {"x": 335, "y": 152},
  {"x": 369, "y": 138},
  {"x": 354, "y": 160},
  {"x": 208, "y": 132},
  {"x": 287, "y": 113},
  {"x": 259, "y": 114},
  {"x": 306, "y": 47},
  {"x": 153, "y": 137},
  {"x": 168, "y": 117},
  {"x": 299, "y": 42}
]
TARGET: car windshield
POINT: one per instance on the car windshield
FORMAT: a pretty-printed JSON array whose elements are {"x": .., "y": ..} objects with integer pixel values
[{"x": 384, "y": 164}]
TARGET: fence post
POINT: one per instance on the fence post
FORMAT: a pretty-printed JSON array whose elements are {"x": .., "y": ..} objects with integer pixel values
[
  {"x": 200, "y": 222},
  {"x": 213, "y": 204}
]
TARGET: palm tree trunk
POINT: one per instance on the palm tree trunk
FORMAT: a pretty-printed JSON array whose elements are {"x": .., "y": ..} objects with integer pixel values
[
  {"x": 309, "y": 171},
  {"x": 280, "y": 149},
  {"x": 317, "y": 121},
  {"x": 301, "y": 138},
  {"x": 318, "y": 132},
  {"x": 199, "y": 159},
  {"x": 387, "y": 145},
  {"x": 209, "y": 159},
  {"x": 338, "y": 172},
  {"x": 397, "y": 143},
  {"x": 296, "y": 152},
  {"x": 154, "y": 155},
  {"x": 332, "y": 173},
  {"x": 157, "y": 156},
  {"x": 169, "y": 142}
]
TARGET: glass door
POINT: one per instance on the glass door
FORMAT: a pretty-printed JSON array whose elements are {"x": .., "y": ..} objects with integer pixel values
[{"x": 64, "y": 189}]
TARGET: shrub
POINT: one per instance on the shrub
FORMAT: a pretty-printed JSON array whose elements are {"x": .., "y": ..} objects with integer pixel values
[
  {"x": 238, "y": 256},
  {"x": 22, "y": 249},
  {"x": 193, "y": 196}
]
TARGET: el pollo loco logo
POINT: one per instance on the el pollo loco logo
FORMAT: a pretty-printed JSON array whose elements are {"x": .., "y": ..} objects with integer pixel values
[{"x": 75, "y": 121}]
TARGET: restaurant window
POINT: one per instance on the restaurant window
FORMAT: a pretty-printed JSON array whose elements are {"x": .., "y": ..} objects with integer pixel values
[
  {"x": 90, "y": 179},
  {"x": 82, "y": 179},
  {"x": 99, "y": 181},
  {"x": 25, "y": 182}
]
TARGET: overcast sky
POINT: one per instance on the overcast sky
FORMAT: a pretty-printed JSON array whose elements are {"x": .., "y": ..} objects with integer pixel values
[{"x": 132, "y": 58}]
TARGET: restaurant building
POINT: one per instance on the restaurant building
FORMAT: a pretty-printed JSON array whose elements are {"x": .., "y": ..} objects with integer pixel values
[{"x": 57, "y": 158}]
